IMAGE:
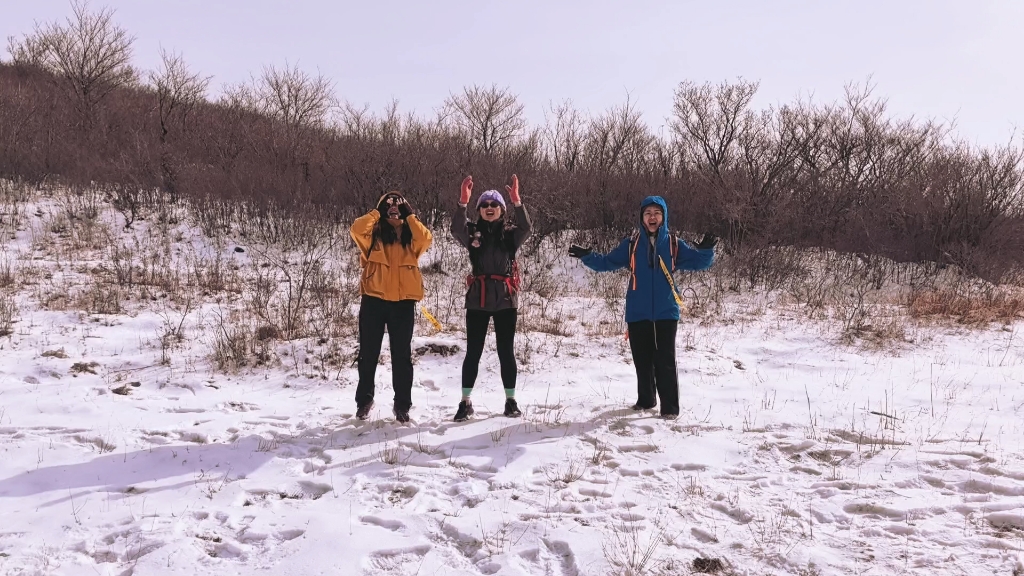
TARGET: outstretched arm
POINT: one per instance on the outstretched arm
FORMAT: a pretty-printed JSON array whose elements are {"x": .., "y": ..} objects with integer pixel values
[
  {"x": 614, "y": 260},
  {"x": 692, "y": 258}
]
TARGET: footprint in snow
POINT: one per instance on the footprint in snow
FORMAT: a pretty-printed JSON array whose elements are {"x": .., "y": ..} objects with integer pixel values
[
  {"x": 393, "y": 525},
  {"x": 395, "y": 560}
]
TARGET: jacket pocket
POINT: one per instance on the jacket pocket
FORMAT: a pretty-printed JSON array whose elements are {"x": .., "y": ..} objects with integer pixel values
[
  {"x": 410, "y": 282},
  {"x": 374, "y": 279}
]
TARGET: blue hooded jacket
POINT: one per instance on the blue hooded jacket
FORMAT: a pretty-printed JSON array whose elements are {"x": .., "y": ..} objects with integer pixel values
[{"x": 652, "y": 299}]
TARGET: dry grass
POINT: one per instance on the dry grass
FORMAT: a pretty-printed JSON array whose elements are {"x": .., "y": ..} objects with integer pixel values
[{"x": 967, "y": 308}]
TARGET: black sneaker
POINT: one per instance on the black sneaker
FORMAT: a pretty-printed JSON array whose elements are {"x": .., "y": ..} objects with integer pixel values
[
  {"x": 669, "y": 416},
  {"x": 402, "y": 416},
  {"x": 512, "y": 409},
  {"x": 363, "y": 412},
  {"x": 638, "y": 407},
  {"x": 464, "y": 412}
]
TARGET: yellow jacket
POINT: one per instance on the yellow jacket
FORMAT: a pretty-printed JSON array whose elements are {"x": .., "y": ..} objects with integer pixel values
[{"x": 390, "y": 272}]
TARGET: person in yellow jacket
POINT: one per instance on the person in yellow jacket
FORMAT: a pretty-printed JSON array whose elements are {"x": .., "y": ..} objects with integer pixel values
[{"x": 391, "y": 240}]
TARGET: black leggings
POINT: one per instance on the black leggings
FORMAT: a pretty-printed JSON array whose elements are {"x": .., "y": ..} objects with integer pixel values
[
  {"x": 376, "y": 315},
  {"x": 505, "y": 334}
]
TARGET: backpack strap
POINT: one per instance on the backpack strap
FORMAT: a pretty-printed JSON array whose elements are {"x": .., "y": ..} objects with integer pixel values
[
  {"x": 673, "y": 249},
  {"x": 634, "y": 241}
]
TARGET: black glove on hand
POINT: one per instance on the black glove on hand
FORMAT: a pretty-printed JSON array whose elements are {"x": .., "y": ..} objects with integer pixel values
[
  {"x": 405, "y": 209},
  {"x": 707, "y": 242},
  {"x": 578, "y": 251}
]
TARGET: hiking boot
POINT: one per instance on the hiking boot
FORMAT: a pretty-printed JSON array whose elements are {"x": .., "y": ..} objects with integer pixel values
[
  {"x": 402, "y": 416},
  {"x": 512, "y": 409},
  {"x": 363, "y": 412},
  {"x": 464, "y": 412}
]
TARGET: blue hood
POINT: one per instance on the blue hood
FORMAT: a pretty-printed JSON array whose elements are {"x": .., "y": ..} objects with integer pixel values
[{"x": 660, "y": 202}]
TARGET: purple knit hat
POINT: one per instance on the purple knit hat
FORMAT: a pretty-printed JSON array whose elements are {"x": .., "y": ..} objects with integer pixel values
[{"x": 490, "y": 195}]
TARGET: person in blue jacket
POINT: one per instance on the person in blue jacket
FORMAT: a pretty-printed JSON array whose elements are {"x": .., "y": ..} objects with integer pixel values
[{"x": 652, "y": 301}]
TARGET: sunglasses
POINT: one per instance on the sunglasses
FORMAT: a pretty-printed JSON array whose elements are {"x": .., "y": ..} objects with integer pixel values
[{"x": 490, "y": 204}]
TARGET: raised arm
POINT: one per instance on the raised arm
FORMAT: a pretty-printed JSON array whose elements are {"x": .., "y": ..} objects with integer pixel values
[
  {"x": 524, "y": 226},
  {"x": 362, "y": 230},
  {"x": 421, "y": 236},
  {"x": 460, "y": 226}
]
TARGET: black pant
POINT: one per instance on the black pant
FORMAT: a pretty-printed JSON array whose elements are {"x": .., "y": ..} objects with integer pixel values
[
  {"x": 653, "y": 345},
  {"x": 504, "y": 333},
  {"x": 398, "y": 317}
]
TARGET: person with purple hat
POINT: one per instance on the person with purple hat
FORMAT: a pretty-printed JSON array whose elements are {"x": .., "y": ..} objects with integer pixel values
[{"x": 493, "y": 286}]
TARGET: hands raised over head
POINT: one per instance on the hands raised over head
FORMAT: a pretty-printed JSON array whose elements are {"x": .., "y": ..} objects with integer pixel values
[
  {"x": 466, "y": 191},
  {"x": 405, "y": 209},
  {"x": 513, "y": 190}
]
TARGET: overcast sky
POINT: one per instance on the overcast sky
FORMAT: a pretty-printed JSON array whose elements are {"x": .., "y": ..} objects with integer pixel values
[{"x": 930, "y": 58}]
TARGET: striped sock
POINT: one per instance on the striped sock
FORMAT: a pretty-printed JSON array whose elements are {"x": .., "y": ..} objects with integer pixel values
[
  {"x": 510, "y": 392},
  {"x": 466, "y": 392}
]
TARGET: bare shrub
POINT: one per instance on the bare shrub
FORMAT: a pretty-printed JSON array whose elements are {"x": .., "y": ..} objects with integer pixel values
[
  {"x": 232, "y": 343},
  {"x": 100, "y": 298},
  {"x": 8, "y": 313},
  {"x": 967, "y": 307},
  {"x": 573, "y": 469},
  {"x": 8, "y": 274},
  {"x": 632, "y": 549}
]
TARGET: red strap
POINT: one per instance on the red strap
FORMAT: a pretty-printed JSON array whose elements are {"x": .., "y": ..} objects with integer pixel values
[{"x": 483, "y": 284}]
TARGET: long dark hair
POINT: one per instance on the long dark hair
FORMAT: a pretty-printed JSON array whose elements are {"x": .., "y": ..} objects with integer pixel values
[{"x": 385, "y": 234}]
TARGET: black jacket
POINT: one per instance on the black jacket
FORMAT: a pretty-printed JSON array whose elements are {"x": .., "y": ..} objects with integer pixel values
[{"x": 492, "y": 248}]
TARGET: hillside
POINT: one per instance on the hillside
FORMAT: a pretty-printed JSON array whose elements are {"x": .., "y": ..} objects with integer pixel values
[{"x": 167, "y": 408}]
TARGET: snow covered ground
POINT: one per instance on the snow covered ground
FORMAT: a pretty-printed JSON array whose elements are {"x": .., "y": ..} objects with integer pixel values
[{"x": 123, "y": 452}]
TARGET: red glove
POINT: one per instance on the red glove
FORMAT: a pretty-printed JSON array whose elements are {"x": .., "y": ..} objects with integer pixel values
[
  {"x": 513, "y": 190},
  {"x": 467, "y": 190}
]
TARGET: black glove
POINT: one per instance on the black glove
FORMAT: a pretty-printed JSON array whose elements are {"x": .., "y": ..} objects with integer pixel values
[
  {"x": 578, "y": 251},
  {"x": 405, "y": 209},
  {"x": 707, "y": 241}
]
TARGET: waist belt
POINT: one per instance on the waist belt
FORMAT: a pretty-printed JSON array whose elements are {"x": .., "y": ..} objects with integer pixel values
[{"x": 470, "y": 280}]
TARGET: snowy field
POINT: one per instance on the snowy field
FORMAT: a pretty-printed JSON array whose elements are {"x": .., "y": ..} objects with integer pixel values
[{"x": 126, "y": 450}]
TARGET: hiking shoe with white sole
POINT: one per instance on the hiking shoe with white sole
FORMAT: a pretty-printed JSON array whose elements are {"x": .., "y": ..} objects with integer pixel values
[
  {"x": 464, "y": 412},
  {"x": 512, "y": 409}
]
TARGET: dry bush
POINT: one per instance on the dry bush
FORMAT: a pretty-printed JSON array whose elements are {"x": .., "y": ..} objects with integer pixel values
[
  {"x": 967, "y": 307},
  {"x": 8, "y": 313},
  {"x": 99, "y": 298},
  {"x": 8, "y": 274},
  {"x": 632, "y": 548},
  {"x": 233, "y": 342}
]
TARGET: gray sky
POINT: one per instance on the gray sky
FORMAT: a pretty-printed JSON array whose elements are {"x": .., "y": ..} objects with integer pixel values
[{"x": 930, "y": 58}]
